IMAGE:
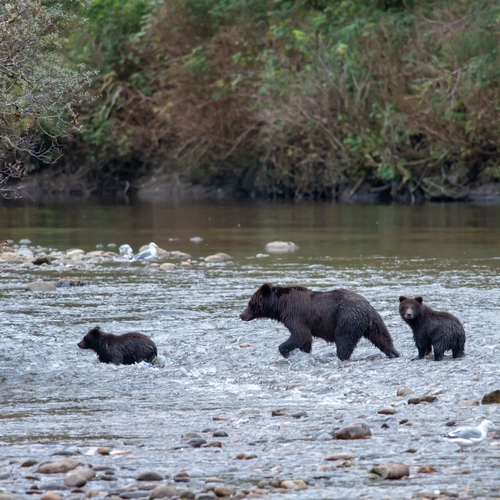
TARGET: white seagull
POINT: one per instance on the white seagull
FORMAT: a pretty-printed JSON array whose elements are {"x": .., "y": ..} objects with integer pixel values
[
  {"x": 466, "y": 437},
  {"x": 126, "y": 251},
  {"x": 148, "y": 254}
]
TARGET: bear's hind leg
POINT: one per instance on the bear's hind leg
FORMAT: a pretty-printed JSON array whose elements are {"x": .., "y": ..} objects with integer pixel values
[
  {"x": 380, "y": 337},
  {"x": 345, "y": 347}
]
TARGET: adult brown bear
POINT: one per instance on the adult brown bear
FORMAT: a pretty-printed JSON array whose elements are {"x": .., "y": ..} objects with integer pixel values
[
  {"x": 125, "y": 349},
  {"x": 340, "y": 316},
  {"x": 432, "y": 329}
]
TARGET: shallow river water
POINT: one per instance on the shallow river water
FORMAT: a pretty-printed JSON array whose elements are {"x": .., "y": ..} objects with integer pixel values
[{"x": 217, "y": 373}]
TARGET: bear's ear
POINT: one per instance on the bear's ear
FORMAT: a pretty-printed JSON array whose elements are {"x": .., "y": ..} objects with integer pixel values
[
  {"x": 401, "y": 298},
  {"x": 95, "y": 331},
  {"x": 266, "y": 288},
  {"x": 419, "y": 299}
]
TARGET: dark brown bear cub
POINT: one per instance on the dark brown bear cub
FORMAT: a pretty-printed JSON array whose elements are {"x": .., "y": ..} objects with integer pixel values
[
  {"x": 125, "y": 349},
  {"x": 432, "y": 329},
  {"x": 338, "y": 316}
]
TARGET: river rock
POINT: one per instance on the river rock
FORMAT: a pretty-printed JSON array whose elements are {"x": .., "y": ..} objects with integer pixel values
[
  {"x": 391, "y": 471},
  {"x": 356, "y": 430},
  {"x": 491, "y": 398},
  {"x": 40, "y": 259},
  {"x": 293, "y": 484},
  {"x": 164, "y": 491},
  {"x": 49, "y": 495},
  {"x": 79, "y": 477},
  {"x": 340, "y": 456},
  {"x": 218, "y": 257},
  {"x": 387, "y": 411},
  {"x": 220, "y": 433},
  {"x": 281, "y": 247},
  {"x": 8, "y": 496},
  {"x": 168, "y": 266},
  {"x": 41, "y": 286},
  {"x": 223, "y": 491},
  {"x": 149, "y": 476},
  {"x": 205, "y": 495},
  {"x": 58, "y": 467},
  {"x": 422, "y": 399}
]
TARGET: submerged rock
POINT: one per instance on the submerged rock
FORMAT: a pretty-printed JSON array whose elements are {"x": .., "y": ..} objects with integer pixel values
[
  {"x": 281, "y": 247},
  {"x": 41, "y": 286}
]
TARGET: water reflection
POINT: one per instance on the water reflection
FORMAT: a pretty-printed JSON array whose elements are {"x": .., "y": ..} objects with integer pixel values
[{"x": 432, "y": 230}]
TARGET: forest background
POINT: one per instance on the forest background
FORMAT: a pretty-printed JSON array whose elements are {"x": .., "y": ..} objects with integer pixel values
[{"x": 297, "y": 99}]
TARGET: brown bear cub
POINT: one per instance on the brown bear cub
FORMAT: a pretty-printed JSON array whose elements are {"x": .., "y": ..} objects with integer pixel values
[
  {"x": 338, "y": 316},
  {"x": 125, "y": 349},
  {"x": 432, "y": 329}
]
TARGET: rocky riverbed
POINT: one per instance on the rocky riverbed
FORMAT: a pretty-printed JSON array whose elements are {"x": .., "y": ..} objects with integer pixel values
[{"x": 222, "y": 414}]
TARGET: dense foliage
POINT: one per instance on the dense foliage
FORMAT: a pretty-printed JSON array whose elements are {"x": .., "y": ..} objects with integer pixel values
[
  {"x": 38, "y": 93},
  {"x": 292, "y": 98}
]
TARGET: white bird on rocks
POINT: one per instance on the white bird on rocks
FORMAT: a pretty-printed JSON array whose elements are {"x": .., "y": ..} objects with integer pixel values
[
  {"x": 148, "y": 254},
  {"x": 126, "y": 250},
  {"x": 467, "y": 437}
]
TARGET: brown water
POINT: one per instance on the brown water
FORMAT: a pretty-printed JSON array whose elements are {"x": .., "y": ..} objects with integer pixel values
[{"x": 55, "y": 397}]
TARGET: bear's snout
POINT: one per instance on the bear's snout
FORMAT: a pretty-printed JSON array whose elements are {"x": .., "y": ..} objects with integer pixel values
[{"x": 246, "y": 315}]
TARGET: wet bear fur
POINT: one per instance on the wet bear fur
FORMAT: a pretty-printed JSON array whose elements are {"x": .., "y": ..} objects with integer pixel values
[
  {"x": 432, "y": 329},
  {"x": 338, "y": 316},
  {"x": 125, "y": 349}
]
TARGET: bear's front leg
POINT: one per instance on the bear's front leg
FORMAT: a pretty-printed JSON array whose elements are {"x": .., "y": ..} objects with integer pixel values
[{"x": 300, "y": 338}]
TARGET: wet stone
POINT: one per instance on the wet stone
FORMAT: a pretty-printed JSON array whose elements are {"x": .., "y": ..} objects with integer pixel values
[
  {"x": 134, "y": 494},
  {"x": 423, "y": 399},
  {"x": 164, "y": 491},
  {"x": 223, "y": 491},
  {"x": 212, "y": 444},
  {"x": 58, "y": 467},
  {"x": 41, "y": 286},
  {"x": 52, "y": 486},
  {"x": 391, "y": 471},
  {"x": 196, "y": 442},
  {"x": 491, "y": 398},
  {"x": 205, "y": 495},
  {"x": 50, "y": 495},
  {"x": 354, "y": 431},
  {"x": 387, "y": 411},
  {"x": 149, "y": 476},
  {"x": 293, "y": 484},
  {"x": 220, "y": 433},
  {"x": 29, "y": 463},
  {"x": 75, "y": 479},
  {"x": 340, "y": 457}
]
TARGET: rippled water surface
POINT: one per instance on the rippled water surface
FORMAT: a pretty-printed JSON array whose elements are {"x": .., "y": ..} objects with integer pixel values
[{"x": 218, "y": 373}]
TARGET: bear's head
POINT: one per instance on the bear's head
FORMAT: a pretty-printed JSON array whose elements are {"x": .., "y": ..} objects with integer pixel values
[
  {"x": 410, "y": 308},
  {"x": 261, "y": 304},
  {"x": 91, "y": 339}
]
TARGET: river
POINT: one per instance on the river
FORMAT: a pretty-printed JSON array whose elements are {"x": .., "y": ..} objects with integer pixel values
[{"x": 217, "y": 373}]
